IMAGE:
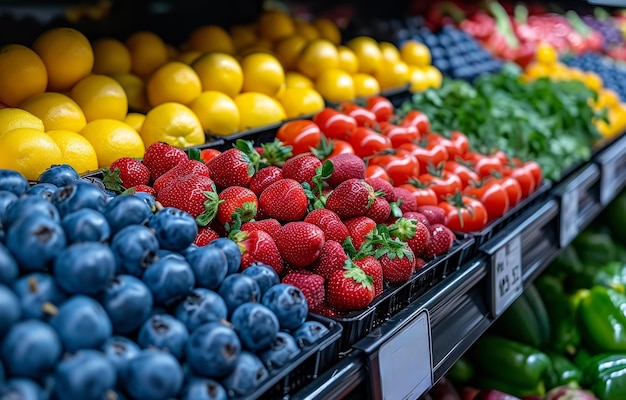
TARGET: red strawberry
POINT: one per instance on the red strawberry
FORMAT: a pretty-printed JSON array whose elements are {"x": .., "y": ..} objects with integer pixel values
[
  {"x": 236, "y": 199},
  {"x": 405, "y": 199},
  {"x": 413, "y": 232},
  {"x": 382, "y": 185},
  {"x": 359, "y": 227},
  {"x": 350, "y": 198},
  {"x": 299, "y": 243},
  {"x": 269, "y": 225},
  {"x": 441, "y": 240},
  {"x": 330, "y": 223},
  {"x": 349, "y": 289},
  {"x": 379, "y": 211},
  {"x": 189, "y": 193},
  {"x": 373, "y": 268},
  {"x": 231, "y": 168},
  {"x": 420, "y": 242},
  {"x": 205, "y": 236},
  {"x": 398, "y": 266},
  {"x": 346, "y": 166},
  {"x": 419, "y": 263},
  {"x": 311, "y": 285},
  {"x": 183, "y": 168},
  {"x": 332, "y": 257},
  {"x": 435, "y": 214},
  {"x": 265, "y": 177},
  {"x": 258, "y": 246},
  {"x": 302, "y": 168},
  {"x": 208, "y": 154},
  {"x": 417, "y": 216},
  {"x": 161, "y": 157},
  {"x": 142, "y": 188},
  {"x": 125, "y": 173},
  {"x": 284, "y": 200},
  {"x": 328, "y": 311}
]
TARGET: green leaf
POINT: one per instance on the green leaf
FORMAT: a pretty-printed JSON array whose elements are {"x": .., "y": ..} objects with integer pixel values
[{"x": 193, "y": 154}]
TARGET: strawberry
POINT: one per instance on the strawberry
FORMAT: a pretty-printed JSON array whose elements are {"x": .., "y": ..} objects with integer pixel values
[
  {"x": 398, "y": 264},
  {"x": 441, "y": 240},
  {"x": 349, "y": 289},
  {"x": 381, "y": 185},
  {"x": 359, "y": 228},
  {"x": 302, "y": 168},
  {"x": 419, "y": 263},
  {"x": 284, "y": 200},
  {"x": 183, "y": 168},
  {"x": 205, "y": 236},
  {"x": 207, "y": 155},
  {"x": 417, "y": 216},
  {"x": 372, "y": 267},
  {"x": 405, "y": 199},
  {"x": 269, "y": 225},
  {"x": 350, "y": 198},
  {"x": 332, "y": 257},
  {"x": 265, "y": 177},
  {"x": 413, "y": 232},
  {"x": 236, "y": 166},
  {"x": 311, "y": 285},
  {"x": 258, "y": 246},
  {"x": 125, "y": 173},
  {"x": 389, "y": 247},
  {"x": 420, "y": 242},
  {"x": 299, "y": 243},
  {"x": 236, "y": 199},
  {"x": 379, "y": 211},
  {"x": 346, "y": 166},
  {"x": 161, "y": 157},
  {"x": 327, "y": 311},
  {"x": 141, "y": 188},
  {"x": 329, "y": 222},
  {"x": 190, "y": 193},
  {"x": 435, "y": 214}
]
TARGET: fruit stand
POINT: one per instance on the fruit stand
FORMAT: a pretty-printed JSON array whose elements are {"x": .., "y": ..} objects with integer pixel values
[{"x": 307, "y": 200}]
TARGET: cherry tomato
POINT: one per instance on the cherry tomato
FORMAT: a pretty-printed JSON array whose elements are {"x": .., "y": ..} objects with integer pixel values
[
  {"x": 334, "y": 124},
  {"x": 362, "y": 116},
  {"x": 399, "y": 134},
  {"x": 443, "y": 183},
  {"x": 486, "y": 165},
  {"x": 464, "y": 213},
  {"x": 429, "y": 153},
  {"x": 208, "y": 154},
  {"x": 491, "y": 193},
  {"x": 525, "y": 178},
  {"x": 399, "y": 164},
  {"x": 513, "y": 190},
  {"x": 330, "y": 148},
  {"x": 367, "y": 142},
  {"x": 461, "y": 170},
  {"x": 381, "y": 107},
  {"x": 301, "y": 135},
  {"x": 376, "y": 171},
  {"x": 417, "y": 119},
  {"x": 424, "y": 196},
  {"x": 535, "y": 170},
  {"x": 457, "y": 144}
]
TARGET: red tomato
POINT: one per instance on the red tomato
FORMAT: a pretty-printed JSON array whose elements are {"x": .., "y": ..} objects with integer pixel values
[
  {"x": 491, "y": 193},
  {"x": 362, "y": 116},
  {"x": 400, "y": 165},
  {"x": 367, "y": 142},
  {"x": 535, "y": 170},
  {"x": 424, "y": 196},
  {"x": 417, "y": 119},
  {"x": 457, "y": 144},
  {"x": 464, "y": 213},
  {"x": 208, "y": 154},
  {"x": 429, "y": 153},
  {"x": 513, "y": 190},
  {"x": 487, "y": 165},
  {"x": 376, "y": 171},
  {"x": 399, "y": 134},
  {"x": 301, "y": 135},
  {"x": 525, "y": 178},
  {"x": 443, "y": 183},
  {"x": 462, "y": 171},
  {"x": 330, "y": 148},
  {"x": 334, "y": 124},
  {"x": 381, "y": 107}
]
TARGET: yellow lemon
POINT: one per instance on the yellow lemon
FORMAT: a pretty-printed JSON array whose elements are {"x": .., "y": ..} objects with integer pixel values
[
  {"x": 262, "y": 73},
  {"x": 318, "y": 56},
  {"x": 368, "y": 53},
  {"x": 22, "y": 74},
  {"x": 110, "y": 56},
  {"x": 288, "y": 50},
  {"x": 113, "y": 139},
  {"x": 258, "y": 109},
  {"x": 365, "y": 85},
  {"x": 274, "y": 25},
  {"x": 173, "y": 82},
  {"x": 593, "y": 81},
  {"x": 189, "y": 56},
  {"x": 13, "y": 118},
  {"x": 243, "y": 35},
  {"x": 389, "y": 51},
  {"x": 135, "y": 89},
  {"x": 147, "y": 52},
  {"x": 28, "y": 151},
  {"x": 546, "y": 54},
  {"x": 298, "y": 102},
  {"x": 219, "y": 71},
  {"x": 419, "y": 80},
  {"x": 347, "y": 60},
  {"x": 76, "y": 150},
  {"x": 56, "y": 110},
  {"x": 415, "y": 53},
  {"x": 135, "y": 120},
  {"x": 100, "y": 96},
  {"x": 67, "y": 54},
  {"x": 296, "y": 79},
  {"x": 434, "y": 76},
  {"x": 208, "y": 38},
  {"x": 217, "y": 112},
  {"x": 336, "y": 85},
  {"x": 172, "y": 123},
  {"x": 328, "y": 30},
  {"x": 393, "y": 75},
  {"x": 306, "y": 29}
]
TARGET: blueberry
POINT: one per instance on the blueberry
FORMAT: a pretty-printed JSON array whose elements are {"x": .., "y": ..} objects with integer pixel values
[
  {"x": 35, "y": 241},
  {"x": 249, "y": 374},
  {"x": 84, "y": 268},
  {"x": 264, "y": 275},
  {"x": 154, "y": 375},
  {"x": 30, "y": 349},
  {"x": 77, "y": 316},
  {"x": 204, "y": 389},
  {"x": 282, "y": 350},
  {"x": 128, "y": 302},
  {"x": 201, "y": 306},
  {"x": 25, "y": 207},
  {"x": 36, "y": 292},
  {"x": 310, "y": 332},
  {"x": 119, "y": 350},
  {"x": 212, "y": 350},
  {"x": 231, "y": 249},
  {"x": 148, "y": 199},
  {"x": 125, "y": 210},
  {"x": 85, "y": 375},
  {"x": 135, "y": 248},
  {"x": 11, "y": 310},
  {"x": 6, "y": 198},
  {"x": 288, "y": 303},
  {"x": 189, "y": 249},
  {"x": 86, "y": 225},
  {"x": 13, "y": 181},
  {"x": 256, "y": 325},
  {"x": 44, "y": 190},
  {"x": 169, "y": 280},
  {"x": 209, "y": 265},
  {"x": 238, "y": 289},
  {"x": 8, "y": 266},
  {"x": 59, "y": 175},
  {"x": 21, "y": 389},
  {"x": 162, "y": 253},
  {"x": 78, "y": 195},
  {"x": 162, "y": 331},
  {"x": 175, "y": 229}
]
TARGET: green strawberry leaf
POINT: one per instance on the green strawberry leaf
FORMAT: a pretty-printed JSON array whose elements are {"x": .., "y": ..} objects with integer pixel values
[
  {"x": 359, "y": 276},
  {"x": 193, "y": 154},
  {"x": 396, "y": 211},
  {"x": 349, "y": 248},
  {"x": 112, "y": 180},
  {"x": 247, "y": 212},
  {"x": 323, "y": 149},
  {"x": 275, "y": 153},
  {"x": 250, "y": 155},
  {"x": 327, "y": 169},
  {"x": 210, "y": 209},
  {"x": 403, "y": 228}
]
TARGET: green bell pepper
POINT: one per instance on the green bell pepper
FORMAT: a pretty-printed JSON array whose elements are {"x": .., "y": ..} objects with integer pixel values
[
  {"x": 602, "y": 319},
  {"x": 605, "y": 375},
  {"x": 563, "y": 371},
  {"x": 612, "y": 275},
  {"x": 462, "y": 372}
]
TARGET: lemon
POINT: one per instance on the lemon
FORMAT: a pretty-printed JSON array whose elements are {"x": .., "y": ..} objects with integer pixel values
[
  {"x": 76, "y": 150},
  {"x": 211, "y": 38},
  {"x": 110, "y": 56},
  {"x": 274, "y": 25},
  {"x": 393, "y": 75},
  {"x": 336, "y": 85},
  {"x": 328, "y": 30},
  {"x": 100, "y": 96},
  {"x": 262, "y": 73},
  {"x": 258, "y": 109},
  {"x": 296, "y": 79},
  {"x": 113, "y": 139},
  {"x": 174, "y": 81},
  {"x": 219, "y": 71},
  {"x": 22, "y": 74},
  {"x": 172, "y": 123},
  {"x": 28, "y": 151},
  {"x": 135, "y": 120},
  {"x": 419, "y": 80},
  {"x": 56, "y": 110},
  {"x": 135, "y": 89},
  {"x": 347, "y": 60},
  {"x": 217, "y": 112},
  {"x": 306, "y": 29},
  {"x": 189, "y": 56},
  {"x": 434, "y": 76},
  {"x": 147, "y": 52},
  {"x": 13, "y": 118},
  {"x": 368, "y": 53},
  {"x": 415, "y": 53},
  {"x": 389, "y": 51},
  {"x": 298, "y": 102},
  {"x": 288, "y": 50},
  {"x": 365, "y": 85},
  {"x": 546, "y": 54},
  {"x": 243, "y": 35},
  {"x": 318, "y": 56}
]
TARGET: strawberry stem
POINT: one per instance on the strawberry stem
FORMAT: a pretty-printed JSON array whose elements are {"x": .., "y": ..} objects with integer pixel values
[
  {"x": 194, "y": 154},
  {"x": 275, "y": 153},
  {"x": 247, "y": 212},
  {"x": 403, "y": 229},
  {"x": 323, "y": 149},
  {"x": 359, "y": 276},
  {"x": 112, "y": 180},
  {"x": 211, "y": 205}
]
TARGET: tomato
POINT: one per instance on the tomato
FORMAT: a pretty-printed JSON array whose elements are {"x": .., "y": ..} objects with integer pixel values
[
  {"x": 330, "y": 148},
  {"x": 464, "y": 213},
  {"x": 493, "y": 196},
  {"x": 208, "y": 154},
  {"x": 461, "y": 170},
  {"x": 456, "y": 143},
  {"x": 301, "y": 135},
  {"x": 513, "y": 190},
  {"x": 424, "y": 196},
  {"x": 443, "y": 183},
  {"x": 525, "y": 178},
  {"x": 399, "y": 134},
  {"x": 417, "y": 119},
  {"x": 367, "y": 142},
  {"x": 399, "y": 164},
  {"x": 535, "y": 170},
  {"x": 429, "y": 153},
  {"x": 334, "y": 124},
  {"x": 362, "y": 116},
  {"x": 381, "y": 107},
  {"x": 486, "y": 165},
  {"x": 376, "y": 171}
]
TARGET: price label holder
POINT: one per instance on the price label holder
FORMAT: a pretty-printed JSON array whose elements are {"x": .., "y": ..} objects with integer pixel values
[
  {"x": 506, "y": 274},
  {"x": 612, "y": 164},
  {"x": 568, "y": 219}
]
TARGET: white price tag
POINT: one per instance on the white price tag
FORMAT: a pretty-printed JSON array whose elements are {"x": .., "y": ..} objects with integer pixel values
[
  {"x": 608, "y": 184},
  {"x": 405, "y": 360},
  {"x": 506, "y": 275},
  {"x": 569, "y": 216}
]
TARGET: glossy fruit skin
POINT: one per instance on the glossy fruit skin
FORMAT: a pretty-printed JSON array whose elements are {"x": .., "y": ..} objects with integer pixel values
[
  {"x": 169, "y": 280},
  {"x": 164, "y": 332},
  {"x": 310, "y": 332},
  {"x": 84, "y": 268},
  {"x": 256, "y": 326},
  {"x": 350, "y": 198},
  {"x": 264, "y": 275},
  {"x": 248, "y": 374},
  {"x": 493, "y": 196},
  {"x": 35, "y": 234},
  {"x": 330, "y": 223},
  {"x": 284, "y": 200},
  {"x": 238, "y": 289},
  {"x": 346, "y": 166},
  {"x": 260, "y": 247},
  {"x": 30, "y": 349},
  {"x": 334, "y": 125},
  {"x": 11, "y": 310},
  {"x": 233, "y": 254},
  {"x": 13, "y": 181},
  {"x": 135, "y": 248},
  {"x": 470, "y": 217},
  {"x": 288, "y": 303},
  {"x": 204, "y": 389},
  {"x": 283, "y": 349},
  {"x": 8, "y": 267},
  {"x": 367, "y": 142},
  {"x": 301, "y": 135},
  {"x": 119, "y": 350},
  {"x": 201, "y": 306},
  {"x": 174, "y": 229},
  {"x": 86, "y": 225},
  {"x": 59, "y": 175},
  {"x": 231, "y": 168},
  {"x": 21, "y": 388},
  {"x": 128, "y": 302},
  {"x": 6, "y": 199},
  {"x": 26, "y": 206},
  {"x": 34, "y": 290},
  {"x": 44, "y": 190},
  {"x": 213, "y": 350},
  {"x": 87, "y": 374},
  {"x": 299, "y": 243},
  {"x": 77, "y": 315},
  {"x": 126, "y": 210},
  {"x": 78, "y": 195},
  {"x": 209, "y": 265},
  {"x": 264, "y": 178},
  {"x": 161, "y": 157},
  {"x": 159, "y": 368}
]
